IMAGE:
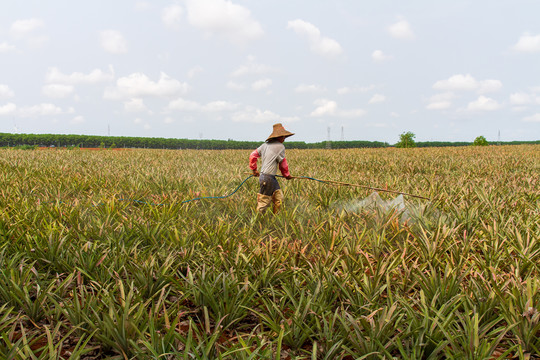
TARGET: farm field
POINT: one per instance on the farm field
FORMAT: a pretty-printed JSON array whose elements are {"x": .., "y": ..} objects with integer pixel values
[{"x": 88, "y": 272}]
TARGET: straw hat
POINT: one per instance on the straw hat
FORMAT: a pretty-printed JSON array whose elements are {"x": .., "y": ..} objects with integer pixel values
[{"x": 279, "y": 131}]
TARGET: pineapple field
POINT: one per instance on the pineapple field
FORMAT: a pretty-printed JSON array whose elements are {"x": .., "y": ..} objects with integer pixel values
[{"x": 102, "y": 257}]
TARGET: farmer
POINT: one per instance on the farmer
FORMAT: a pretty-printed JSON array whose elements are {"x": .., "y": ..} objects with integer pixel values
[{"x": 272, "y": 154}]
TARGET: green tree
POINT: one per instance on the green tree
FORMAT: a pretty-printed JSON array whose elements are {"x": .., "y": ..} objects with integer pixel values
[
  {"x": 480, "y": 141},
  {"x": 406, "y": 140}
]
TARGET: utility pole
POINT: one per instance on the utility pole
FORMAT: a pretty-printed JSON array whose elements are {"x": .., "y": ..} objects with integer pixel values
[
  {"x": 499, "y": 138},
  {"x": 342, "y": 134},
  {"x": 328, "y": 143},
  {"x": 109, "y": 130}
]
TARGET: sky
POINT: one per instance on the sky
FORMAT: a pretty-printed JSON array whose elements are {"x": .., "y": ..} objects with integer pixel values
[{"x": 229, "y": 69}]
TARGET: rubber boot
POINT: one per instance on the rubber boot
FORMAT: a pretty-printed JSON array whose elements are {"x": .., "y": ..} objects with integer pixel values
[
  {"x": 263, "y": 202},
  {"x": 277, "y": 199}
]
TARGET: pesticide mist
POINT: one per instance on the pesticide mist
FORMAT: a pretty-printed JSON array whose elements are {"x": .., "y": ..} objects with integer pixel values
[{"x": 408, "y": 212}]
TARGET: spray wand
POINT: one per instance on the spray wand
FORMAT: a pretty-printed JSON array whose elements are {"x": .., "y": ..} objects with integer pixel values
[{"x": 339, "y": 183}]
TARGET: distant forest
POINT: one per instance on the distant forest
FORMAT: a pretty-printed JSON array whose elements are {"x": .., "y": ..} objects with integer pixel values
[{"x": 93, "y": 141}]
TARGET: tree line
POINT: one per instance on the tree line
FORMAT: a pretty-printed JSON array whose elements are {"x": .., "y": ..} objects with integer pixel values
[{"x": 94, "y": 141}]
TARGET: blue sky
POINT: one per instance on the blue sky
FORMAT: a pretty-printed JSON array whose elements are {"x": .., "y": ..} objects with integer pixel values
[{"x": 219, "y": 69}]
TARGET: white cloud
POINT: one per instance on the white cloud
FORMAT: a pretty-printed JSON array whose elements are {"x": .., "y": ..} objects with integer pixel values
[
  {"x": 95, "y": 76},
  {"x": 440, "y": 101},
  {"x": 261, "y": 84},
  {"x": 379, "y": 56},
  {"x": 194, "y": 71},
  {"x": 377, "y": 99},
  {"x": 37, "y": 41},
  {"x": 8, "y": 109},
  {"x": 252, "y": 67},
  {"x": 78, "y": 120},
  {"x": 313, "y": 88},
  {"x": 138, "y": 85},
  {"x": 401, "y": 30},
  {"x": 483, "y": 104},
  {"x": 5, "y": 47},
  {"x": 168, "y": 120},
  {"x": 528, "y": 43},
  {"x": 359, "y": 89},
  {"x": 532, "y": 118},
  {"x": 57, "y": 90},
  {"x": 457, "y": 82},
  {"x": 135, "y": 105},
  {"x": 213, "y": 106},
  {"x": 353, "y": 113},
  {"x": 319, "y": 44},
  {"x": 325, "y": 107},
  {"x": 185, "y": 105},
  {"x": 139, "y": 121},
  {"x": 439, "y": 105},
  {"x": 466, "y": 82},
  {"x": 231, "y": 85},
  {"x": 443, "y": 96},
  {"x": 44, "y": 109},
  {"x": 219, "y": 105},
  {"x": 224, "y": 19},
  {"x": 519, "y": 108},
  {"x": 520, "y": 99},
  {"x": 172, "y": 16},
  {"x": 142, "y": 5},
  {"x": 254, "y": 115},
  {"x": 489, "y": 86},
  {"x": 26, "y": 30},
  {"x": 6, "y": 92},
  {"x": 113, "y": 41},
  {"x": 23, "y": 27}
]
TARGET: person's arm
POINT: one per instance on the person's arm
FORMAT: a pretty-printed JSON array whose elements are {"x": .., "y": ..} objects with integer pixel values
[
  {"x": 253, "y": 162},
  {"x": 284, "y": 168}
]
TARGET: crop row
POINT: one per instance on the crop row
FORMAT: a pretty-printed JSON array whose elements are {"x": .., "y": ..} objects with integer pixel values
[{"x": 86, "y": 272}]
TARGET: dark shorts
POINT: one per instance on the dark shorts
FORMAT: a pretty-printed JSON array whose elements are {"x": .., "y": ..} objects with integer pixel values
[{"x": 268, "y": 184}]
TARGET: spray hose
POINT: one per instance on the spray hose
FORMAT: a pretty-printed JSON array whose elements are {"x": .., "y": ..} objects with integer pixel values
[
  {"x": 329, "y": 182},
  {"x": 194, "y": 199},
  {"x": 219, "y": 197}
]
